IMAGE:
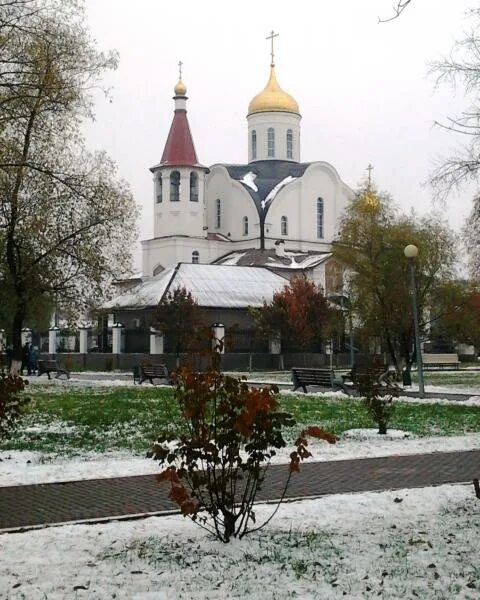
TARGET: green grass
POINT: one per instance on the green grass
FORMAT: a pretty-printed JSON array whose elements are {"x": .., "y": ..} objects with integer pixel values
[
  {"x": 422, "y": 419},
  {"x": 76, "y": 421}
]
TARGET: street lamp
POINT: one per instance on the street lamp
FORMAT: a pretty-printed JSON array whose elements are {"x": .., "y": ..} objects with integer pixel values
[{"x": 411, "y": 252}]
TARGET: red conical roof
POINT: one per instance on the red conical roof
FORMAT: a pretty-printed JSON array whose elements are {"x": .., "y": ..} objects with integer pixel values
[{"x": 179, "y": 149}]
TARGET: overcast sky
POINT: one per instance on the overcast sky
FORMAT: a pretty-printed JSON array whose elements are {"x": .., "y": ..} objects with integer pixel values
[{"x": 363, "y": 88}]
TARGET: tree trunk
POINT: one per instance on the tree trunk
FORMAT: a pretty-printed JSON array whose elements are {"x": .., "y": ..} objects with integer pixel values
[
  {"x": 18, "y": 319},
  {"x": 382, "y": 427},
  {"x": 229, "y": 520}
]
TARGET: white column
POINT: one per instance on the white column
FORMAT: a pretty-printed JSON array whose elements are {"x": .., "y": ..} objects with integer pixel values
[
  {"x": 26, "y": 335},
  {"x": 83, "y": 340},
  {"x": 275, "y": 345},
  {"x": 156, "y": 341},
  {"x": 218, "y": 337},
  {"x": 53, "y": 339},
  {"x": 117, "y": 338}
]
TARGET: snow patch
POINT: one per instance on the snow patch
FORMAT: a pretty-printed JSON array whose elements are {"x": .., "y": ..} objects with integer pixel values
[
  {"x": 372, "y": 434},
  {"x": 249, "y": 180},
  {"x": 334, "y": 547},
  {"x": 274, "y": 191}
]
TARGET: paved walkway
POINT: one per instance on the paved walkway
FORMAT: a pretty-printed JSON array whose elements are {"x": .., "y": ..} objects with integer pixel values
[{"x": 29, "y": 506}]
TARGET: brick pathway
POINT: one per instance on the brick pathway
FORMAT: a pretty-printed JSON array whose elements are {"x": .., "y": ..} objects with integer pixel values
[{"x": 124, "y": 497}]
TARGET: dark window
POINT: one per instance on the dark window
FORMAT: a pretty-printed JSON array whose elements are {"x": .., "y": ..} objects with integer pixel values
[
  {"x": 245, "y": 225},
  {"x": 195, "y": 257},
  {"x": 284, "y": 226},
  {"x": 270, "y": 142},
  {"x": 193, "y": 187},
  {"x": 174, "y": 186},
  {"x": 218, "y": 214},
  {"x": 320, "y": 217},
  {"x": 159, "y": 188},
  {"x": 289, "y": 143},
  {"x": 254, "y": 145}
]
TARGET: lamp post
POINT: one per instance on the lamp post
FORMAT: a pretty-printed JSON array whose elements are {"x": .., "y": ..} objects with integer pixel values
[{"x": 411, "y": 252}]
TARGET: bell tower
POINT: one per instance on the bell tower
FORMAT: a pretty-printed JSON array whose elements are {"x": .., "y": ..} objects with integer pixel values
[{"x": 179, "y": 179}]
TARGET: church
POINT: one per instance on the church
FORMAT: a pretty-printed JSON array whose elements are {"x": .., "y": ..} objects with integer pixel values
[{"x": 274, "y": 212}]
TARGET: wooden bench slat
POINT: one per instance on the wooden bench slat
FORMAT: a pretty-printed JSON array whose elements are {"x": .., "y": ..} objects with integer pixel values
[
  {"x": 47, "y": 366},
  {"x": 304, "y": 376},
  {"x": 151, "y": 372},
  {"x": 440, "y": 360}
]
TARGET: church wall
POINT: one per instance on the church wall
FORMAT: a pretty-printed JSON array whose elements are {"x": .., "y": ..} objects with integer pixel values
[
  {"x": 183, "y": 217},
  {"x": 164, "y": 252},
  {"x": 236, "y": 203},
  {"x": 298, "y": 202},
  {"x": 280, "y": 122}
]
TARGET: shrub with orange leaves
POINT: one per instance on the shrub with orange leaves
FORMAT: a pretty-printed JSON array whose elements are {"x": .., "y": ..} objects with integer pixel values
[{"x": 217, "y": 455}]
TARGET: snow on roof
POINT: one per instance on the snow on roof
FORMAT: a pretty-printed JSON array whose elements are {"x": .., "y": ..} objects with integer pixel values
[
  {"x": 274, "y": 191},
  {"x": 298, "y": 261},
  {"x": 249, "y": 180},
  {"x": 148, "y": 293},
  {"x": 220, "y": 286},
  {"x": 232, "y": 259}
]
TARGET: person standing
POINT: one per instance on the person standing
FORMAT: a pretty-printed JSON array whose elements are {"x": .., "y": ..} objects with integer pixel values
[{"x": 34, "y": 354}]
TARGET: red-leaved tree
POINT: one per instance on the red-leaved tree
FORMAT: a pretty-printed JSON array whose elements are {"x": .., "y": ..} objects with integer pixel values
[{"x": 299, "y": 315}]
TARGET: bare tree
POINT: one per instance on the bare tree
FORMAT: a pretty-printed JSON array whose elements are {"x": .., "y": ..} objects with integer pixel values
[
  {"x": 66, "y": 222},
  {"x": 461, "y": 68},
  {"x": 398, "y": 9},
  {"x": 462, "y": 167}
]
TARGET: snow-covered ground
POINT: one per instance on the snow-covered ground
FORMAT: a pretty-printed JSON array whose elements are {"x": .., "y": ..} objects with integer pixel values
[
  {"x": 420, "y": 543},
  {"x": 21, "y": 468},
  {"x": 473, "y": 400}
]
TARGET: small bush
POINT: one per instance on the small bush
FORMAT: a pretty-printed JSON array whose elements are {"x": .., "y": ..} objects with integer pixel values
[
  {"x": 378, "y": 399},
  {"x": 12, "y": 403},
  {"x": 217, "y": 456}
]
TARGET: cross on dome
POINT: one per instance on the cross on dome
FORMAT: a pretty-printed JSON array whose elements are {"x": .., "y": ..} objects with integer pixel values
[
  {"x": 180, "y": 89},
  {"x": 271, "y": 38}
]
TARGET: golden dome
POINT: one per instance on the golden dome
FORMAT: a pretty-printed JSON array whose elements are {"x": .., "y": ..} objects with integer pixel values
[
  {"x": 273, "y": 98},
  {"x": 180, "y": 89}
]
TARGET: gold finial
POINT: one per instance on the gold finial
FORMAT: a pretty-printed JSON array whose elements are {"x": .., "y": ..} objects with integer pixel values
[
  {"x": 180, "y": 89},
  {"x": 271, "y": 37},
  {"x": 369, "y": 169}
]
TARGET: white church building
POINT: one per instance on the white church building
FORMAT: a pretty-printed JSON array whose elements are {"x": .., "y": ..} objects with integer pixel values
[
  {"x": 273, "y": 211},
  {"x": 233, "y": 234}
]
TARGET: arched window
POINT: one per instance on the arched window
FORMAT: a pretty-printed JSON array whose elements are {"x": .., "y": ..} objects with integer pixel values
[
  {"x": 320, "y": 217},
  {"x": 195, "y": 257},
  {"x": 289, "y": 143},
  {"x": 270, "y": 142},
  {"x": 174, "y": 186},
  {"x": 284, "y": 226},
  {"x": 193, "y": 187},
  {"x": 218, "y": 213},
  {"x": 159, "y": 188},
  {"x": 254, "y": 145},
  {"x": 245, "y": 225}
]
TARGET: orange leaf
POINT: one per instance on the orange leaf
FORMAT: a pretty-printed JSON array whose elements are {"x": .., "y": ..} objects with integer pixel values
[{"x": 320, "y": 434}]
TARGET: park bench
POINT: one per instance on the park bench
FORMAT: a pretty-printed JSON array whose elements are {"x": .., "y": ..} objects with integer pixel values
[
  {"x": 440, "y": 361},
  {"x": 382, "y": 377},
  {"x": 47, "y": 366},
  {"x": 146, "y": 371},
  {"x": 325, "y": 378}
]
